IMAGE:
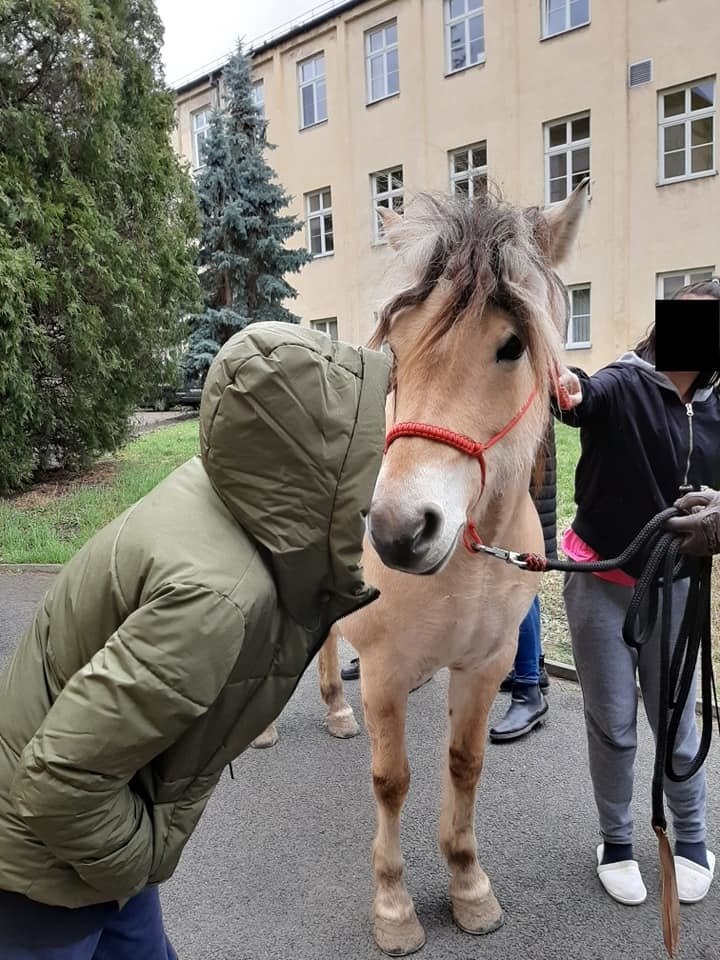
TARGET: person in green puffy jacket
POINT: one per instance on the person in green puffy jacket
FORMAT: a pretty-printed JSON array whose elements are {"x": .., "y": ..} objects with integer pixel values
[{"x": 175, "y": 636}]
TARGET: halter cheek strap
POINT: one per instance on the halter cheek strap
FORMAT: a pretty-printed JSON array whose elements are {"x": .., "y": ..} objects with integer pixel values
[{"x": 468, "y": 446}]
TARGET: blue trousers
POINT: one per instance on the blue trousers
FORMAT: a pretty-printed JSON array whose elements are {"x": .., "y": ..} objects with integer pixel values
[
  {"x": 36, "y": 931},
  {"x": 527, "y": 659}
]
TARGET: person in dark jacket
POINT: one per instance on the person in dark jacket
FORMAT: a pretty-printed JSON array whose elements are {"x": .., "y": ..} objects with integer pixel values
[
  {"x": 647, "y": 438},
  {"x": 528, "y": 680}
]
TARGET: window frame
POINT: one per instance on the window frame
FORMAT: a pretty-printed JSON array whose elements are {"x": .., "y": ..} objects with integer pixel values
[
  {"x": 383, "y": 52},
  {"x": 448, "y": 23},
  {"x": 472, "y": 173},
  {"x": 207, "y": 109},
  {"x": 687, "y": 276},
  {"x": 302, "y": 84},
  {"x": 545, "y": 20},
  {"x": 572, "y": 344},
  {"x": 567, "y": 148},
  {"x": 259, "y": 102},
  {"x": 686, "y": 119},
  {"x": 320, "y": 214},
  {"x": 392, "y": 193},
  {"x": 322, "y": 327}
]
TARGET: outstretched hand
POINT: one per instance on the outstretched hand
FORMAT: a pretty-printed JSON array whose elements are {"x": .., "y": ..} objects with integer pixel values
[
  {"x": 701, "y": 525},
  {"x": 569, "y": 391}
]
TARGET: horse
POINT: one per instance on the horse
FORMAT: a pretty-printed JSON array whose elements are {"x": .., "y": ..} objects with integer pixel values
[{"x": 475, "y": 331}]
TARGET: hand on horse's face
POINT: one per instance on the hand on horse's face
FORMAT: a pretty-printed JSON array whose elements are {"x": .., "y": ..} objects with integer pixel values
[{"x": 569, "y": 391}]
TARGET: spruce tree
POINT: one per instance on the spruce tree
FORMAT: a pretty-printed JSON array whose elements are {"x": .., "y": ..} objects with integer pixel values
[
  {"x": 243, "y": 256},
  {"x": 96, "y": 222}
]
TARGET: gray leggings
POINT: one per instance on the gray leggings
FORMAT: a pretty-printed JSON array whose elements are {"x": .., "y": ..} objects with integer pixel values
[{"x": 606, "y": 669}]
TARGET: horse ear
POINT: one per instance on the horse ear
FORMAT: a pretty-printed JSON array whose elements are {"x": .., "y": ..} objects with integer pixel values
[
  {"x": 563, "y": 222},
  {"x": 390, "y": 220}
]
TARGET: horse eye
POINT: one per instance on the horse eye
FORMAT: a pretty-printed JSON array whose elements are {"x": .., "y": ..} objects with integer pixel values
[{"x": 512, "y": 349}]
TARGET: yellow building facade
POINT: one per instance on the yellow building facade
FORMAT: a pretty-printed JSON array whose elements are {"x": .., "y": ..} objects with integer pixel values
[{"x": 370, "y": 101}]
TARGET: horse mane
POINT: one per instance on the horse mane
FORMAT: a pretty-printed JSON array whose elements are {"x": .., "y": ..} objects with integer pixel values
[{"x": 488, "y": 254}]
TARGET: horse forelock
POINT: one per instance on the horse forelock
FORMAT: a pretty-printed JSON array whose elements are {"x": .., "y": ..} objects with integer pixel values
[{"x": 484, "y": 255}]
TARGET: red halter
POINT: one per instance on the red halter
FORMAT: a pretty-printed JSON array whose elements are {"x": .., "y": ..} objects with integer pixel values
[{"x": 472, "y": 448}]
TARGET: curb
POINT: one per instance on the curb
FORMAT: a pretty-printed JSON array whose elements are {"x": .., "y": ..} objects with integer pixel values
[
  {"x": 30, "y": 567},
  {"x": 564, "y": 671}
]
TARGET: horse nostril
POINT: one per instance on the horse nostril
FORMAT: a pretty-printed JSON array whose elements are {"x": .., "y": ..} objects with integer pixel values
[{"x": 432, "y": 524}]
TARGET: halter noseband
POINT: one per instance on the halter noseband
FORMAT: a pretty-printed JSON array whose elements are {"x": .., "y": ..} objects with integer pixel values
[{"x": 471, "y": 448}]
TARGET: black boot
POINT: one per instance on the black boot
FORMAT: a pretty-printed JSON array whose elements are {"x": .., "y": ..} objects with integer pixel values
[
  {"x": 544, "y": 678},
  {"x": 353, "y": 671},
  {"x": 507, "y": 684},
  {"x": 527, "y": 708}
]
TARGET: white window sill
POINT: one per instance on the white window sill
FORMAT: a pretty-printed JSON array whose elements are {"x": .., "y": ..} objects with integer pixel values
[
  {"x": 321, "y": 256},
  {"x": 689, "y": 176},
  {"x": 311, "y": 126},
  {"x": 470, "y": 66},
  {"x": 379, "y": 242},
  {"x": 562, "y": 33},
  {"x": 388, "y": 96},
  {"x": 578, "y": 346}
]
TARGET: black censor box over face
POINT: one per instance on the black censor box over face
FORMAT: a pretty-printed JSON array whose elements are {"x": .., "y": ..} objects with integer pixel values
[{"x": 687, "y": 335}]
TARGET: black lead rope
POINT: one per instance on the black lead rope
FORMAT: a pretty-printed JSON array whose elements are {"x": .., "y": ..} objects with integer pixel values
[{"x": 678, "y": 665}]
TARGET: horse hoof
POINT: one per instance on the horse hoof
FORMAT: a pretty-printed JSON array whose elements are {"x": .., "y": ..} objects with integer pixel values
[
  {"x": 268, "y": 738},
  {"x": 478, "y": 918},
  {"x": 399, "y": 939},
  {"x": 343, "y": 724}
]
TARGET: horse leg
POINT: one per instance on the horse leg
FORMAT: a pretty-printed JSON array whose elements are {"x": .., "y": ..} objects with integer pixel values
[
  {"x": 397, "y": 929},
  {"x": 340, "y": 720},
  {"x": 475, "y": 908},
  {"x": 268, "y": 738}
]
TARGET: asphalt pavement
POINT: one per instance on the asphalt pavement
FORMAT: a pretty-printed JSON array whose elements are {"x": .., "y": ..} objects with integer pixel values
[{"x": 279, "y": 868}]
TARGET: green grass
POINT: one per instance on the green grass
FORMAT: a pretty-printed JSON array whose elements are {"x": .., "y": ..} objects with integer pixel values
[{"x": 56, "y": 528}]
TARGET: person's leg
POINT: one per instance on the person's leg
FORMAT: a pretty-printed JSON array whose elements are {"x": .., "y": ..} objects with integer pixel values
[
  {"x": 527, "y": 705},
  {"x": 136, "y": 931},
  {"x": 606, "y": 671},
  {"x": 685, "y": 800},
  {"x": 36, "y": 931}
]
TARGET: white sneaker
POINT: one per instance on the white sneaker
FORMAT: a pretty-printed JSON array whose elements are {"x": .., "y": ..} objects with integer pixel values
[
  {"x": 622, "y": 880},
  {"x": 693, "y": 880}
]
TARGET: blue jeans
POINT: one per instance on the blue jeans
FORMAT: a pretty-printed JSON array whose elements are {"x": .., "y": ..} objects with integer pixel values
[
  {"x": 36, "y": 931},
  {"x": 527, "y": 659}
]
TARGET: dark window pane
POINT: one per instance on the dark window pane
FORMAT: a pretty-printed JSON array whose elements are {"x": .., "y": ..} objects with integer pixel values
[
  {"x": 558, "y": 166},
  {"x": 674, "y": 165},
  {"x": 377, "y": 78},
  {"x": 581, "y": 128},
  {"x": 702, "y": 96},
  {"x": 308, "y": 106},
  {"x": 476, "y": 27},
  {"x": 314, "y": 202},
  {"x": 457, "y": 8},
  {"x": 556, "y": 21},
  {"x": 479, "y": 155},
  {"x": 315, "y": 236},
  {"x": 674, "y": 137},
  {"x": 396, "y": 179},
  {"x": 462, "y": 188},
  {"x": 474, "y": 4},
  {"x": 460, "y": 161},
  {"x": 702, "y": 159},
  {"x": 702, "y": 131},
  {"x": 397, "y": 204},
  {"x": 581, "y": 301},
  {"x": 375, "y": 40},
  {"x": 558, "y": 134},
  {"x": 393, "y": 69},
  {"x": 321, "y": 101},
  {"x": 558, "y": 190},
  {"x": 391, "y": 34},
  {"x": 381, "y": 183},
  {"x": 674, "y": 103},
  {"x": 671, "y": 285},
  {"x": 581, "y": 160}
]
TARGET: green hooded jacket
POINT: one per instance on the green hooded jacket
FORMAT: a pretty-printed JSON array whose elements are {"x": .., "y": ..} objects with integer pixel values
[{"x": 180, "y": 631}]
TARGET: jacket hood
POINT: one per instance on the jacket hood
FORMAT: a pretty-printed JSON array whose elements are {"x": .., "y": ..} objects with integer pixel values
[
  {"x": 292, "y": 431},
  {"x": 660, "y": 378}
]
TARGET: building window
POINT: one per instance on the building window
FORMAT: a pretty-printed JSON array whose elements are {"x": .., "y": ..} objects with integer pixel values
[
  {"x": 329, "y": 326},
  {"x": 200, "y": 133},
  {"x": 668, "y": 284},
  {"x": 382, "y": 65},
  {"x": 468, "y": 170},
  {"x": 387, "y": 191},
  {"x": 318, "y": 206},
  {"x": 567, "y": 156},
  {"x": 257, "y": 95},
  {"x": 578, "y": 335},
  {"x": 687, "y": 131},
  {"x": 464, "y": 33},
  {"x": 313, "y": 92},
  {"x": 560, "y": 16}
]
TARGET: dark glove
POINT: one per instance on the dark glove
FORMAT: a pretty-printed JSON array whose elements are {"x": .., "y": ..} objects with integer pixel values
[{"x": 701, "y": 526}]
